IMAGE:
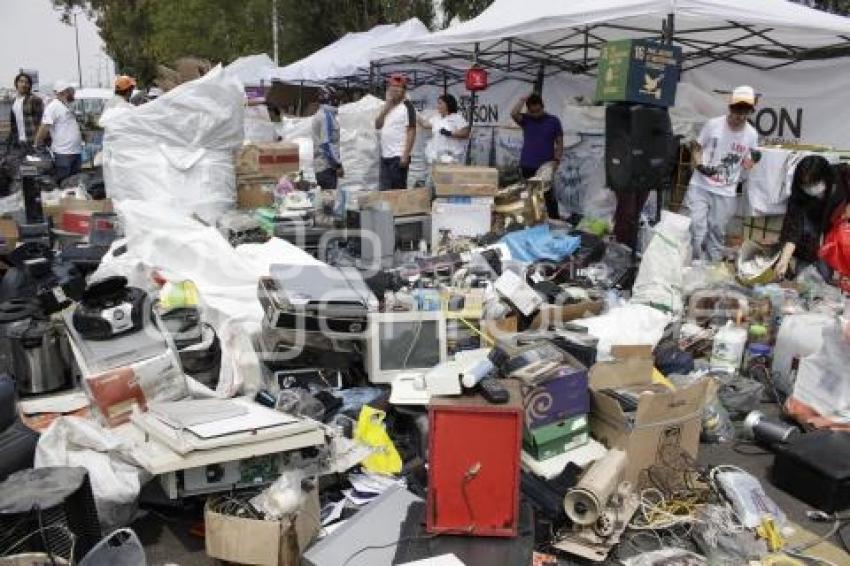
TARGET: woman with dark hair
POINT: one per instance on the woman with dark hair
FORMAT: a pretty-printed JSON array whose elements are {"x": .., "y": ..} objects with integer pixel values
[
  {"x": 450, "y": 131},
  {"x": 25, "y": 116},
  {"x": 816, "y": 197}
]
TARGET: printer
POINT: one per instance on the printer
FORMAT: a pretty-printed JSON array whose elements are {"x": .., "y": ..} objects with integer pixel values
[{"x": 333, "y": 301}]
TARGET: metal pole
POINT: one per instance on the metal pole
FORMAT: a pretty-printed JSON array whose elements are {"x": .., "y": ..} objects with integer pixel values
[
  {"x": 274, "y": 32},
  {"x": 669, "y": 27},
  {"x": 77, "y": 39}
]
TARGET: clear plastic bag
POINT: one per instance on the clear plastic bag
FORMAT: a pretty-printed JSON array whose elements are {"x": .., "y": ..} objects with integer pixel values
[
  {"x": 717, "y": 427},
  {"x": 284, "y": 497},
  {"x": 739, "y": 395}
]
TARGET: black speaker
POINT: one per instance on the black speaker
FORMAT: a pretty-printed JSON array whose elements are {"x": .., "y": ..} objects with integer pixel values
[{"x": 638, "y": 147}]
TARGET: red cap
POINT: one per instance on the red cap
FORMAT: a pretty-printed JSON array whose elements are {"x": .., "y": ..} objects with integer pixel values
[{"x": 397, "y": 79}]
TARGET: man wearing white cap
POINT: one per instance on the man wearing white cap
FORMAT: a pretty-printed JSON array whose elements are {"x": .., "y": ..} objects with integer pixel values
[
  {"x": 60, "y": 122},
  {"x": 724, "y": 150}
]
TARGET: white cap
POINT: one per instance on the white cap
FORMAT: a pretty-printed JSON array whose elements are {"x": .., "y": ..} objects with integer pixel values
[
  {"x": 61, "y": 86},
  {"x": 743, "y": 95},
  {"x": 154, "y": 92}
]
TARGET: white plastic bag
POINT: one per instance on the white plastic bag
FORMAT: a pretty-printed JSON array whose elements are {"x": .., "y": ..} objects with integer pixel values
[
  {"x": 822, "y": 380},
  {"x": 178, "y": 149},
  {"x": 628, "y": 325},
  {"x": 300, "y": 131},
  {"x": 258, "y": 126},
  {"x": 116, "y": 476},
  {"x": 660, "y": 278},
  {"x": 800, "y": 335},
  {"x": 359, "y": 141}
]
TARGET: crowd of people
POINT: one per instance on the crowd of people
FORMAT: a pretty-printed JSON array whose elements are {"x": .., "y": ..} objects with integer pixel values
[
  {"x": 725, "y": 148},
  {"x": 36, "y": 127}
]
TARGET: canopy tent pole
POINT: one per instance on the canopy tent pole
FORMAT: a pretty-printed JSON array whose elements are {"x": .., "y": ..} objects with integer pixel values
[
  {"x": 473, "y": 101},
  {"x": 668, "y": 29},
  {"x": 541, "y": 76},
  {"x": 445, "y": 82},
  {"x": 300, "y": 98}
]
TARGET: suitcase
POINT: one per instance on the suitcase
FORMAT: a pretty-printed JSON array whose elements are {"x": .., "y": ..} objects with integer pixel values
[{"x": 816, "y": 469}]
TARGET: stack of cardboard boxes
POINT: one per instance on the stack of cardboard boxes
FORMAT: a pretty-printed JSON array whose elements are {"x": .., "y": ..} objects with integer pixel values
[
  {"x": 556, "y": 404},
  {"x": 259, "y": 167},
  {"x": 464, "y": 200}
]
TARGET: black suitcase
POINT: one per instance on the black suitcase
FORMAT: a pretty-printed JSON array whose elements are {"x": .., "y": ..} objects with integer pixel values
[{"x": 816, "y": 469}]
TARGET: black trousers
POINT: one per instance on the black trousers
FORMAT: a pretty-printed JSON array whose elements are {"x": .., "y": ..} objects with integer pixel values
[
  {"x": 327, "y": 179},
  {"x": 392, "y": 174},
  {"x": 627, "y": 216}
]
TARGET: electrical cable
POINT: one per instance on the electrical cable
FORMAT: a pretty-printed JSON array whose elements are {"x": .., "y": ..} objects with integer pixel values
[
  {"x": 40, "y": 531},
  {"x": 44, "y": 540},
  {"x": 412, "y": 344},
  {"x": 388, "y": 545}
]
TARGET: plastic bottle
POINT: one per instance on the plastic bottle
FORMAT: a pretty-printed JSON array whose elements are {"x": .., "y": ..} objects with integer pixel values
[{"x": 728, "y": 350}]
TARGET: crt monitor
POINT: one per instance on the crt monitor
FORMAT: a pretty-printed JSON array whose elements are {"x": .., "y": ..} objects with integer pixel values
[{"x": 404, "y": 342}]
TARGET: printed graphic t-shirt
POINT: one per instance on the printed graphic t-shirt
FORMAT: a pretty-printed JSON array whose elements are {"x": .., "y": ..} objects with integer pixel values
[{"x": 724, "y": 150}]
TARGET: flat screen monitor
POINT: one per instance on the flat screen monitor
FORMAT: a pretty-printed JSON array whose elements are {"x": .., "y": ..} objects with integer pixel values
[{"x": 404, "y": 342}]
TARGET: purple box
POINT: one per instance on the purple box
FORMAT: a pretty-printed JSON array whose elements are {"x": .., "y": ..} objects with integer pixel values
[{"x": 564, "y": 395}]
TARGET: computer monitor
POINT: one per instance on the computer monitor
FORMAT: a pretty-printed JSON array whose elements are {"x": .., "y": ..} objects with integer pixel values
[{"x": 404, "y": 342}]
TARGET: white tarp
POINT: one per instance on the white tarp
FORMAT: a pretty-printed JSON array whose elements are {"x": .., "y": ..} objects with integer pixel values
[
  {"x": 349, "y": 55},
  {"x": 251, "y": 70},
  {"x": 162, "y": 239},
  {"x": 178, "y": 149},
  {"x": 801, "y": 102},
  {"x": 805, "y": 102},
  {"x": 547, "y": 21}
]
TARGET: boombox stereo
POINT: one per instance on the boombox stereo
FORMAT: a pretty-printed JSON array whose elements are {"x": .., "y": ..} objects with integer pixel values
[{"x": 109, "y": 308}]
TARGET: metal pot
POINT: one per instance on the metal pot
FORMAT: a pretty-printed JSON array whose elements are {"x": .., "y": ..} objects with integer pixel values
[{"x": 36, "y": 352}]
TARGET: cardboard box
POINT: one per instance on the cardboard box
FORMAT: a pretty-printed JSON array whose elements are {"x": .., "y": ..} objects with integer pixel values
[
  {"x": 562, "y": 396},
  {"x": 272, "y": 159},
  {"x": 407, "y": 202},
  {"x": 8, "y": 233},
  {"x": 638, "y": 70},
  {"x": 114, "y": 393},
  {"x": 77, "y": 221},
  {"x": 460, "y": 219},
  {"x": 664, "y": 422},
  {"x": 555, "y": 439},
  {"x": 266, "y": 543},
  {"x": 255, "y": 192},
  {"x": 554, "y": 316},
  {"x": 462, "y": 180}
]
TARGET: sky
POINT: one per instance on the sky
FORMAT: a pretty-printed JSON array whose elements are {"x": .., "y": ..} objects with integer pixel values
[{"x": 33, "y": 37}]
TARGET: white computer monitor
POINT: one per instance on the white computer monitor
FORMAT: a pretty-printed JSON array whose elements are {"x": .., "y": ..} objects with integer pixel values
[{"x": 404, "y": 342}]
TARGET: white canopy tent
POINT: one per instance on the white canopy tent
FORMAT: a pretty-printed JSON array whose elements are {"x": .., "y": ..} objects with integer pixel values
[
  {"x": 348, "y": 59},
  {"x": 530, "y": 38},
  {"x": 252, "y": 70}
]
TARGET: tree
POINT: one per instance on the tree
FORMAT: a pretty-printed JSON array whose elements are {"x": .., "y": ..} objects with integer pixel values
[
  {"x": 835, "y": 6},
  {"x": 462, "y": 9},
  {"x": 139, "y": 34}
]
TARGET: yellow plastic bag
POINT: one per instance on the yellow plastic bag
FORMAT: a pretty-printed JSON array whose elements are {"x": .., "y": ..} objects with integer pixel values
[{"x": 370, "y": 431}]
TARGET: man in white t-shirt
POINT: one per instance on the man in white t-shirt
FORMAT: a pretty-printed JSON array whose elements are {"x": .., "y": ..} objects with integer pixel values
[
  {"x": 396, "y": 124},
  {"x": 60, "y": 122},
  {"x": 724, "y": 151}
]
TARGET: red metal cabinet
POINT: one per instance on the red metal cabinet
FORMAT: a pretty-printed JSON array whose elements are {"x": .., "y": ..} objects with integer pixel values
[{"x": 474, "y": 465}]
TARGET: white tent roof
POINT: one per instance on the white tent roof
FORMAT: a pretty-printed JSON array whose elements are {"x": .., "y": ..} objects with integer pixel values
[
  {"x": 349, "y": 56},
  {"x": 252, "y": 70},
  {"x": 517, "y": 35}
]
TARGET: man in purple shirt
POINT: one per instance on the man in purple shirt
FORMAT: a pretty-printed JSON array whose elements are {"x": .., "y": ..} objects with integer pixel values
[{"x": 543, "y": 142}]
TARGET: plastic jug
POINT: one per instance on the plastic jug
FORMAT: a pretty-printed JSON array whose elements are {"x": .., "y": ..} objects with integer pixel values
[{"x": 728, "y": 350}]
